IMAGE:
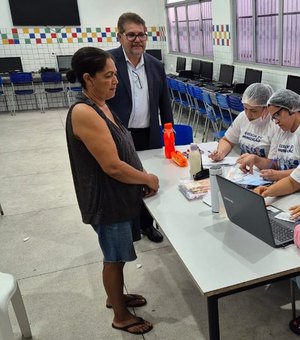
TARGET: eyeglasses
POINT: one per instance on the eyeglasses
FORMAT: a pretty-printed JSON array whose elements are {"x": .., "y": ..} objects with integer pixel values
[
  {"x": 137, "y": 79},
  {"x": 132, "y": 36},
  {"x": 276, "y": 115}
]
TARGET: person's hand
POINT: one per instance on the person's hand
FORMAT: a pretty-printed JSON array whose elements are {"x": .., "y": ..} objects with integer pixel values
[
  {"x": 261, "y": 190},
  {"x": 295, "y": 211},
  {"x": 152, "y": 186},
  {"x": 269, "y": 174},
  {"x": 246, "y": 162},
  {"x": 217, "y": 156}
]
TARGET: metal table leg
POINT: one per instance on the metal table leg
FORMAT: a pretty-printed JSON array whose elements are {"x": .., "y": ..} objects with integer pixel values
[{"x": 213, "y": 318}]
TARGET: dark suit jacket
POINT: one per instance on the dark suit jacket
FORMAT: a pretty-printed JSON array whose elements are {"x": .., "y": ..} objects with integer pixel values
[{"x": 159, "y": 100}]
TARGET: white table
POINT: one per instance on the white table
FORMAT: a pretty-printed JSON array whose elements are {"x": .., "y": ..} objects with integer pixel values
[{"x": 222, "y": 258}]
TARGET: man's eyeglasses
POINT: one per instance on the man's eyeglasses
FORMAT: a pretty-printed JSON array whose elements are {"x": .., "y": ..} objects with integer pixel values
[
  {"x": 137, "y": 79},
  {"x": 132, "y": 36},
  {"x": 276, "y": 115}
]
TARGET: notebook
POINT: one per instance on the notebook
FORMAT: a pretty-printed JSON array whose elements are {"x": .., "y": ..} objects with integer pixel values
[{"x": 247, "y": 209}]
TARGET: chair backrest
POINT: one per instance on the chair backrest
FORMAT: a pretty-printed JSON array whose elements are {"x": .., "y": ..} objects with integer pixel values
[
  {"x": 206, "y": 98},
  {"x": 183, "y": 134},
  {"x": 183, "y": 93},
  {"x": 196, "y": 92},
  {"x": 209, "y": 107},
  {"x": 222, "y": 101},
  {"x": 21, "y": 78},
  {"x": 51, "y": 77},
  {"x": 235, "y": 103},
  {"x": 224, "y": 109}
]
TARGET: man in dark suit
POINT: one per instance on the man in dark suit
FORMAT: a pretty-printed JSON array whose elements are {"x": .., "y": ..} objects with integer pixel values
[{"x": 142, "y": 98}]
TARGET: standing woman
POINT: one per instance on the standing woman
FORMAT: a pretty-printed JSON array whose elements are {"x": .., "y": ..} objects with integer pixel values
[{"x": 108, "y": 177}]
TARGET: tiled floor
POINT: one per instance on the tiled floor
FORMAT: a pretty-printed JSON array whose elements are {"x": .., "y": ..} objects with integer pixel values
[{"x": 59, "y": 266}]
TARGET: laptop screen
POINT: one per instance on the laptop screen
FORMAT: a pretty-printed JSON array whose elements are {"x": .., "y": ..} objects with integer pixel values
[{"x": 248, "y": 210}]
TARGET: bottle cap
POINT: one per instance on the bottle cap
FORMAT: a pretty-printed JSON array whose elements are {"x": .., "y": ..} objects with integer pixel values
[
  {"x": 215, "y": 170},
  {"x": 194, "y": 147},
  {"x": 168, "y": 125}
]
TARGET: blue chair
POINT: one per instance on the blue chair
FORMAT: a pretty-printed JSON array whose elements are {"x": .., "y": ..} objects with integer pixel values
[
  {"x": 52, "y": 84},
  {"x": 72, "y": 91},
  {"x": 183, "y": 134},
  {"x": 2, "y": 93},
  {"x": 235, "y": 103},
  {"x": 172, "y": 84},
  {"x": 214, "y": 118},
  {"x": 200, "y": 110},
  {"x": 22, "y": 85},
  {"x": 225, "y": 110},
  {"x": 184, "y": 99}
]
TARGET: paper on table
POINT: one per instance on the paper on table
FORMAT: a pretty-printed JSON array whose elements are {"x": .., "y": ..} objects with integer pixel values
[
  {"x": 207, "y": 162},
  {"x": 285, "y": 216},
  {"x": 207, "y": 148},
  {"x": 253, "y": 179},
  {"x": 237, "y": 176}
]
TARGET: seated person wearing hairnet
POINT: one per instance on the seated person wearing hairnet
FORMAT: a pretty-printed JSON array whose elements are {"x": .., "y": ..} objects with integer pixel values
[
  {"x": 252, "y": 129},
  {"x": 284, "y": 154}
]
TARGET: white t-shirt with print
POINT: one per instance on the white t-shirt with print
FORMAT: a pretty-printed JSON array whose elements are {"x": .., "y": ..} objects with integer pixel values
[
  {"x": 296, "y": 174},
  {"x": 252, "y": 136},
  {"x": 285, "y": 149}
]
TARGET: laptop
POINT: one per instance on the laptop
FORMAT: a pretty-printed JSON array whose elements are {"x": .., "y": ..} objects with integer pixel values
[{"x": 248, "y": 210}]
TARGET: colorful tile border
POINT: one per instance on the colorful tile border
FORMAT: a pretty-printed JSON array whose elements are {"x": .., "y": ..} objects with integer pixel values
[
  {"x": 69, "y": 35},
  {"x": 221, "y": 35}
]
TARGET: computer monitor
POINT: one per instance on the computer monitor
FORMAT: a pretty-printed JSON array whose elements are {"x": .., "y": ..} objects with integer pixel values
[
  {"x": 155, "y": 53},
  {"x": 64, "y": 62},
  {"x": 206, "y": 70},
  {"x": 180, "y": 64},
  {"x": 196, "y": 67},
  {"x": 252, "y": 76},
  {"x": 293, "y": 83},
  {"x": 10, "y": 64},
  {"x": 226, "y": 74}
]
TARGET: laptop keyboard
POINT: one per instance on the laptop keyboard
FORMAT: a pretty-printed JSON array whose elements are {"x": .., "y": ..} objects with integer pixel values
[{"x": 280, "y": 232}]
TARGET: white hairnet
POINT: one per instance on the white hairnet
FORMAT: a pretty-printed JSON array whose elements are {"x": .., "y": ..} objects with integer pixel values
[
  {"x": 286, "y": 99},
  {"x": 257, "y": 94}
]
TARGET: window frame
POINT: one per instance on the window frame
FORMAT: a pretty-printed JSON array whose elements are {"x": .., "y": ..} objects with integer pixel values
[
  {"x": 185, "y": 3},
  {"x": 280, "y": 42}
]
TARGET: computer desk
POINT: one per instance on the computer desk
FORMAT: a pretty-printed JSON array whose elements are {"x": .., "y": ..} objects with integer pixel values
[{"x": 221, "y": 258}]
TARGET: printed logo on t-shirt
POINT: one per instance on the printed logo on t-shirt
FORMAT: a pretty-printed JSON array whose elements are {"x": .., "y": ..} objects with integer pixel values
[
  {"x": 286, "y": 164},
  {"x": 253, "y": 150},
  {"x": 252, "y": 137}
]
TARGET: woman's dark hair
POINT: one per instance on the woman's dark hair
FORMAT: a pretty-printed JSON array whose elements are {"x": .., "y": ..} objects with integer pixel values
[
  {"x": 87, "y": 60},
  {"x": 129, "y": 17}
]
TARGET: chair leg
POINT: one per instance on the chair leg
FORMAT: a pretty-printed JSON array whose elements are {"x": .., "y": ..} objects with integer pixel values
[
  {"x": 1, "y": 210},
  {"x": 6, "y": 332},
  {"x": 21, "y": 314}
]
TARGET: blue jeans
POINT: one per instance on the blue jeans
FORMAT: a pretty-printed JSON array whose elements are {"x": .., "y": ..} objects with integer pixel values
[{"x": 116, "y": 241}]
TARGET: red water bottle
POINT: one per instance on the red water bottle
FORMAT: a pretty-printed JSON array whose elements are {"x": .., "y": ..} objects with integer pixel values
[{"x": 169, "y": 139}]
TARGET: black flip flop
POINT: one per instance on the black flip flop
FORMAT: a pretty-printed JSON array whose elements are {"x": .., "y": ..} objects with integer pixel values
[
  {"x": 129, "y": 304},
  {"x": 126, "y": 328}
]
